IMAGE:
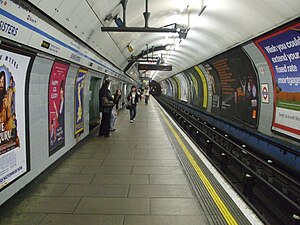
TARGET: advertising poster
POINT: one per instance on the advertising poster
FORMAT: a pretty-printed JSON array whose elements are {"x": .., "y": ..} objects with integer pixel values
[
  {"x": 183, "y": 85},
  {"x": 215, "y": 86},
  {"x": 13, "y": 161},
  {"x": 169, "y": 88},
  {"x": 56, "y": 106},
  {"x": 79, "y": 88},
  {"x": 163, "y": 87},
  {"x": 199, "y": 92},
  {"x": 175, "y": 85},
  {"x": 239, "y": 88},
  {"x": 282, "y": 52}
]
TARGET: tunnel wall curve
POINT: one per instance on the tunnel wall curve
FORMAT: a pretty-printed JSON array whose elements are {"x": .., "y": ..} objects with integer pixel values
[{"x": 46, "y": 96}]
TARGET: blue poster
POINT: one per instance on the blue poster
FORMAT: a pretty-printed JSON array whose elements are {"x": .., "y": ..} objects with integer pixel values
[
  {"x": 282, "y": 52},
  {"x": 79, "y": 87}
]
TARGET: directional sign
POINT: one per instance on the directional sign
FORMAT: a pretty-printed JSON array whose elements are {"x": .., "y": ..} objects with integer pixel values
[{"x": 155, "y": 67}]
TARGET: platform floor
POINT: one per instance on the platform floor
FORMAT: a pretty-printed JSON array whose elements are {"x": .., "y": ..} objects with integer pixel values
[{"x": 133, "y": 177}]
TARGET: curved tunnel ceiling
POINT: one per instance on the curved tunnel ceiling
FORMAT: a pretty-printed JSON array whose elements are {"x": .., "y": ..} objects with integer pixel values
[{"x": 223, "y": 24}]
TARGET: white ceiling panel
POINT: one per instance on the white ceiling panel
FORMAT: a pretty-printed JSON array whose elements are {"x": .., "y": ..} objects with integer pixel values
[
  {"x": 223, "y": 25},
  {"x": 35, "y": 2},
  {"x": 66, "y": 10},
  {"x": 49, "y": 7},
  {"x": 78, "y": 14}
]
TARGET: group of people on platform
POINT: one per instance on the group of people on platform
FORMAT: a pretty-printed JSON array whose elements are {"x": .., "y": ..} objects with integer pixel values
[{"x": 109, "y": 106}]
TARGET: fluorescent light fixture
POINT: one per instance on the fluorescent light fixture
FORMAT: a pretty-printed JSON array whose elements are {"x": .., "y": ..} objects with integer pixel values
[{"x": 202, "y": 10}]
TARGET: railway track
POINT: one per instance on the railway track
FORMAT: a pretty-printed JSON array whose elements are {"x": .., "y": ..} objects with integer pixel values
[{"x": 271, "y": 191}]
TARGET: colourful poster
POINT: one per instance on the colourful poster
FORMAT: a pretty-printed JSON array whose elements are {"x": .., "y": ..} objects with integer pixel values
[
  {"x": 56, "y": 106},
  {"x": 169, "y": 88},
  {"x": 79, "y": 87},
  {"x": 183, "y": 86},
  {"x": 13, "y": 161},
  {"x": 199, "y": 92},
  {"x": 215, "y": 87},
  {"x": 163, "y": 87},
  {"x": 239, "y": 85},
  {"x": 175, "y": 85},
  {"x": 281, "y": 50}
]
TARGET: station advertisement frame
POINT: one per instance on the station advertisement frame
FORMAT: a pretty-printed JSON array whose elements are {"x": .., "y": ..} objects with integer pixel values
[
  {"x": 56, "y": 106},
  {"x": 281, "y": 51},
  {"x": 15, "y": 69},
  {"x": 239, "y": 86},
  {"x": 79, "y": 102},
  {"x": 183, "y": 86}
]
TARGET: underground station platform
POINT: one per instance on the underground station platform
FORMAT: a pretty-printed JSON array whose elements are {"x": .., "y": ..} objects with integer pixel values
[{"x": 146, "y": 173}]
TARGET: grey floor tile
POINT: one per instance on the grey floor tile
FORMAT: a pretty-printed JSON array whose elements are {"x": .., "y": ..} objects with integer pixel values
[
  {"x": 121, "y": 179},
  {"x": 165, "y": 220},
  {"x": 83, "y": 162},
  {"x": 23, "y": 219},
  {"x": 155, "y": 137},
  {"x": 82, "y": 155},
  {"x": 164, "y": 145},
  {"x": 107, "y": 170},
  {"x": 114, "y": 145},
  {"x": 69, "y": 179},
  {"x": 120, "y": 155},
  {"x": 162, "y": 151},
  {"x": 63, "y": 219},
  {"x": 169, "y": 179},
  {"x": 88, "y": 150},
  {"x": 129, "y": 151},
  {"x": 113, "y": 206},
  {"x": 157, "y": 170},
  {"x": 93, "y": 155},
  {"x": 158, "y": 191},
  {"x": 164, "y": 162},
  {"x": 175, "y": 207},
  {"x": 49, "y": 205},
  {"x": 67, "y": 169},
  {"x": 97, "y": 190},
  {"x": 155, "y": 156},
  {"x": 49, "y": 189},
  {"x": 125, "y": 162}
]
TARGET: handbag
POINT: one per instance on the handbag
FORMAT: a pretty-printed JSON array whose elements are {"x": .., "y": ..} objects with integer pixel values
[
  {"x": 128, "y": 106},
  {"x": 106, "y": 102},
  {"x": 107, "y": 105}
]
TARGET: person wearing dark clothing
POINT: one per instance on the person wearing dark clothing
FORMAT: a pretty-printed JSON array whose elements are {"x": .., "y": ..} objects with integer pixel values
[
  {"x": 104, "y": 95},
  {"x": 140, "y": 93},
  {"x": 133, "y": 99},
  {"x": 117, "y": 97},
  {"x": 146, "y": 94}
]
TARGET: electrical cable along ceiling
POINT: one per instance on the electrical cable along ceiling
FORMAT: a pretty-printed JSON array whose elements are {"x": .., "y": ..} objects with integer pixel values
[{"x": 222, "y": 24}]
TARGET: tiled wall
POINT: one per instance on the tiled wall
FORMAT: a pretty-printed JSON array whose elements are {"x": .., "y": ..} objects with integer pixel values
[{"x": 38, "y": 110}]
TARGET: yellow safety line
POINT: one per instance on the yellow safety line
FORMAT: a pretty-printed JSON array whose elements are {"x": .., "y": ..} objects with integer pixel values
[{"x": 218, "y": 201}]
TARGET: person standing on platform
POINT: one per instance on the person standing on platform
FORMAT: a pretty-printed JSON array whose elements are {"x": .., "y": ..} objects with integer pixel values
[
  {"x": 133, "y": 99},
  {"x": 140, "y": 94},
  {"x": 105, "y": 105},
  {"x": 147, "y": 95},
  {"x": 114, "y": 111}
]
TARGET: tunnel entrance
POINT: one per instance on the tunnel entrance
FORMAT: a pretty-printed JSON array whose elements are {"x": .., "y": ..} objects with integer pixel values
[{"x": 155, "y": 88}]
